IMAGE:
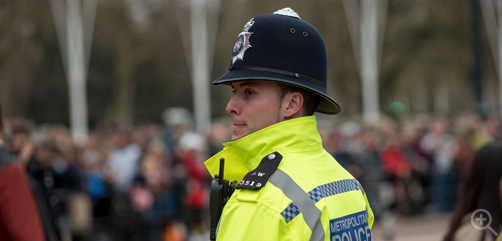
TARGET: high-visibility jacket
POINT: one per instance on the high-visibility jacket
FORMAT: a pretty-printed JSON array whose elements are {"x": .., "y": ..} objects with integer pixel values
[{"x": 308, "y": 197}]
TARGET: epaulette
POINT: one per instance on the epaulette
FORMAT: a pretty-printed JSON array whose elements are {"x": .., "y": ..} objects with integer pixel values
[{"x": 258, "y": 177}]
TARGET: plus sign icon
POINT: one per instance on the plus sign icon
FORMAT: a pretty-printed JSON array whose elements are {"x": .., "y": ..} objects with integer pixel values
[{"x": 481, "y": 220}]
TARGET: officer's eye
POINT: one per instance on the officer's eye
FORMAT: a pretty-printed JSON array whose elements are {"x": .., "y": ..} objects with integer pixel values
[{"x": 249, "y": 92}]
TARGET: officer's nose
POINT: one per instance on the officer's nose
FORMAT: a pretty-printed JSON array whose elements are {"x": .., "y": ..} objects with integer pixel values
[{"x": 232, "y": 106}]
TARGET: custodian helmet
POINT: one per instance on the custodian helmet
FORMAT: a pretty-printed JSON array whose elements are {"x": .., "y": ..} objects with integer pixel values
[{"x": 281, "y": 47}]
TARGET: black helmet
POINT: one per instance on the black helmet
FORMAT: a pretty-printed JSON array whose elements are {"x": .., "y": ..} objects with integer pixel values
[{"x": 281, "y": 47}]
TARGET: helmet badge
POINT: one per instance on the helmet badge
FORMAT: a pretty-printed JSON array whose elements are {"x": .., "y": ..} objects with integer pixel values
[
  {"x": 242, "y": 42},
  {"x": 287, "y": 12}
]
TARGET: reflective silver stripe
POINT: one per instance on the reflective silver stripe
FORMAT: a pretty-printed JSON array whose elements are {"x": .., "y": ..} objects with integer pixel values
[{"x": 301, "y": 200}]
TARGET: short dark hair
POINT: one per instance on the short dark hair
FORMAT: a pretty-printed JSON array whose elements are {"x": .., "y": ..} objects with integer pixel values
[{"x": 310, "y": 100}]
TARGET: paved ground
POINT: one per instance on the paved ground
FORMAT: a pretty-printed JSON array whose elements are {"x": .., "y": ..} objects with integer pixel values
[{"x": 430, "y": 228}]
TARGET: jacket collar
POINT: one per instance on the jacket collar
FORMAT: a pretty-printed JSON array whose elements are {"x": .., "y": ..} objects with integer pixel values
[{"x": 244, "y": 154}]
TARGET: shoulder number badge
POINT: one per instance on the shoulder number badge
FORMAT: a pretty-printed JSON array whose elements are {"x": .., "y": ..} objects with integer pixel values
[
  {"x": 242, "y": 42},
  {"x": 258, "y": 177}
]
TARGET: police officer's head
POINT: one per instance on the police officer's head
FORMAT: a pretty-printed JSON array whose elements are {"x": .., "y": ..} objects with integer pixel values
[
  {"x": 278, "y": 71},
  {"x": 282, "y": 48}
]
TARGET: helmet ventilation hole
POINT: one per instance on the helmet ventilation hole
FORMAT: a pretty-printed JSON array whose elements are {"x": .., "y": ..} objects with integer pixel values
[
  {"x": 292, "y": 30},
  {"x": 305, "y": 34}
]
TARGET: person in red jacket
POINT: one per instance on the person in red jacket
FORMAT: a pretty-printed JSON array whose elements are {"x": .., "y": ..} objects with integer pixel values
[{"x": 19, "y": 215}]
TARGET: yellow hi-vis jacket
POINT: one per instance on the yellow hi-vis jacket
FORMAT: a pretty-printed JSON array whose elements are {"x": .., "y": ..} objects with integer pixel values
[{"x": 309, "y": 197}]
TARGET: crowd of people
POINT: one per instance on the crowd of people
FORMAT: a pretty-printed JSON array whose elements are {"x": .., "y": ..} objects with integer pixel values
[{"x": 148, "y": 182}]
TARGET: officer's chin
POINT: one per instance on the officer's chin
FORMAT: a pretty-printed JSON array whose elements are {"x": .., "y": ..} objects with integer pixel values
[
  {"x": 239, "y": 136},
  {"x": 239, "y": 131},
  {"x": 236, "y": 137}
]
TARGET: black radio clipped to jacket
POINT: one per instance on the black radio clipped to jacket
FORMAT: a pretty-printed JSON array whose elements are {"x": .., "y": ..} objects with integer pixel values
[{"x": 221, "y": 190}]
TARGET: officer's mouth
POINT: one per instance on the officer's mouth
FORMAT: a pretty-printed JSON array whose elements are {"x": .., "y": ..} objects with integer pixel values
[
  {"x": 238, "y": 125},
  {"x": 238, "y": 131}
]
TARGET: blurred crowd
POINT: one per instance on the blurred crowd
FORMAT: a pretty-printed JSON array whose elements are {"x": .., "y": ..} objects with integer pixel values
[{"x": 148, "y": 181}]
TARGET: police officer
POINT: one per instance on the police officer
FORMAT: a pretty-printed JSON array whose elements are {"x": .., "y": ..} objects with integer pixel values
[{"x": 289, "y": 187}]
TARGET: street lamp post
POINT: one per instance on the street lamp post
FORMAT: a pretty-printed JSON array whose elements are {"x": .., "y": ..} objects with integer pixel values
[
  {"x": 366, "y": 32},
  {"x": 74, "y": 27}
]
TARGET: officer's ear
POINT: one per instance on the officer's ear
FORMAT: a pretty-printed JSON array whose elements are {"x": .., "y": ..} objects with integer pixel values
[{"x": 292, "y": 105}]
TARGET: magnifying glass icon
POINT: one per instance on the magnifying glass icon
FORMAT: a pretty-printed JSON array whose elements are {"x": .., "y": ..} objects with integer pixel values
[{"x": 481, "y": 220}]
